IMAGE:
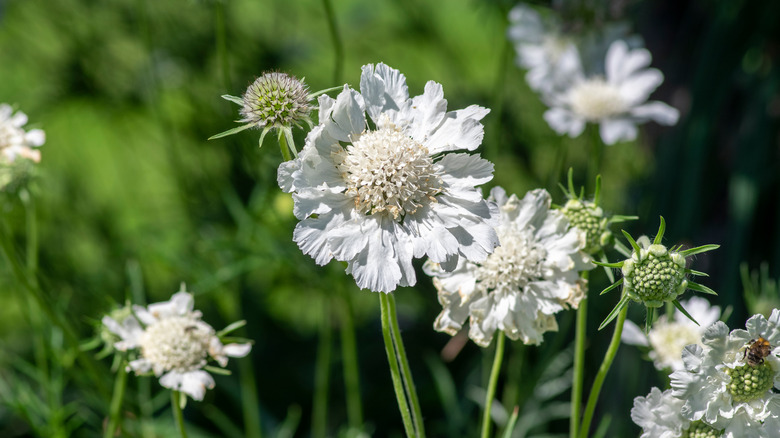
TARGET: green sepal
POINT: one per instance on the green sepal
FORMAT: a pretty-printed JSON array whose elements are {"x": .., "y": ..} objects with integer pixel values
[
  {"x": 217, "y": 370},
  {"x": 608, "y": 271},
  {"x": 612, "y": 286},
  {"x": 232, "y": 131},
  {"x": 622, "y": 249},
  {"x": 633, "y": 243},
  {"x": 570, "y": 180},
  {"x": 683, "y": 311},
  {"x": 614, "y": 313},
  {"x": 234, "y": 326},
  {"x": 262, "y": 136},
  {"x": 233, "y": 99},
  {"x": 661, "y": 231},
  {"x": 701, "y": 288},
  {"x": 697, "y": 273},
  {"x": 608, "y": 265},
  {"x": 597, "y": 191},
  {"x": 650, "y": 314},
  {"x": 698, "y": 250},
  {"x": 327, "y": 90},
  {"x": 618, "y": 218}
]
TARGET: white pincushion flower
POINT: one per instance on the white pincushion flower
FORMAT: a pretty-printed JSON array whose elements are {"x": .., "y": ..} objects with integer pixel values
[
  {"x": 668, "y": 337},
  {"x": 380, "y": 190},
  {"x": 617, "y": 102},
  {"x": 174, "y": 344},
  {"x": 14, "y": 140},
  {"x": 720, "y": 386},
  {"x": 521, "y": 286},
  {"x": 550, "y": 57}
]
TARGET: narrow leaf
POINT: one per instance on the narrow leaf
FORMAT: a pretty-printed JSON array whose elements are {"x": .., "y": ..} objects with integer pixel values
[
  {"x": 694, "y": 272},
  {"x": 622, "y": 218},
  {"x": 597, "y": 192},
  {"x": 614, "y": 285},
  {"x": 614, "y": 313},
  {"x": 231, "y": 131},
  {"x": 701, "y": 288},
  {"x": 661, "y": 231},
  {"x": 233, "y": 99},
  {"x": 608, "y": 265},
  {"x": 683, "y": 311},
  {"x": 698, "y": 250},
  {"x": 571, "y": 182},
  {"x": 649, "y": 319},
  {"x": 632, "y": 241},
  {"x": 603, "y": 259},
  {"x": 234, "y": 326},
  {"x": 622, "y": 249},
  {"x": 510, "y": 426},
  {"x": 327, "y": 90}
]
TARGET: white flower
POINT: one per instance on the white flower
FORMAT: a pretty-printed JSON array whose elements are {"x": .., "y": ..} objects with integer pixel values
[
  {"x": 658, "y": 415},
  {"x": 550, "y": 57},
  {"x": 14, "y": 140},
  {"x": 668, "y": 337},
  {"x": 617, "y": 103},
  {"x": 174, "y": 344},
  {"x": 721, "y": 388},
  {"x": 519, "y": 288},
  {"x": 378, "y": 191}
]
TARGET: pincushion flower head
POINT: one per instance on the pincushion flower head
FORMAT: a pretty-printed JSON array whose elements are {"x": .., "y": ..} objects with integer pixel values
[
  {"x": 174, "y": 343},
  {"x": 519, "y": 288},
  {"x": 617, "y": 102},
  {"x": 730, "y": 384},
  {"x": 654, "y": 275},
  {"x": 550, "y": 57},
  {"x": 669, "y": 335},
  {"x": 378, "y": 184},
  {"x": 658, "y": 414},
  {"x": 274, "y": 101}
]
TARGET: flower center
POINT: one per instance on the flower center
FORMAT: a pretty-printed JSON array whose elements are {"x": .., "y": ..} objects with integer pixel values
[
  {"x": 700, "y": 429},
  {"x": 276, "y": 99},
  {"x": 387, "y": 172},
  {"x": 749, "y": 382},
  {"x": 590, "y": 219},
  {"x": 176, "y": 343},
  {"x": 655, "y": 276},
  {"x": 514, "y": 264},
  {"x": 668, "y": 340},
  {"x": 595, "y": 99}
]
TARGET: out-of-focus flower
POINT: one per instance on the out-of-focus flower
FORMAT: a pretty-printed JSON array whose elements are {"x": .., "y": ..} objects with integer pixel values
[
  {"x": 174, "y": 344},
  {"x": 533, "y": 275},
  {"x": 14, "y": 140},
  {"x": 378, "y": 191},
  {"x": 728, "y": 386},
  {"x": 617, "y": 102},
  {"x": 668, "y": 336}
]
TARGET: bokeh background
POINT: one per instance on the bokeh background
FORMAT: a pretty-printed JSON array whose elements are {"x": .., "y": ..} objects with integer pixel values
[{"x": 131, "y": 199}]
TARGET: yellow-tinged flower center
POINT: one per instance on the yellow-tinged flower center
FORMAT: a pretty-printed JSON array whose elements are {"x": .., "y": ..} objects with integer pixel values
[
  {"x": 594, "y": 99},
  {"x": 515, "y": 263},
  {"x": 178, "y": 343}
]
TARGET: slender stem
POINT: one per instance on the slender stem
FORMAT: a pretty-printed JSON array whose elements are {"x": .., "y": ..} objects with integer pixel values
[
  {"x": 492, "y": 383},
  {"x": 406, "y": 372},
  {"x": 221, "y": 36},
  {"x": 322, "y": 372},
  {"x": 338, "y": 46},
  {"x": 395, "y": 373},
  {"x": 249, "y": 403},
  {"x": 579, "y": 362},
  {"x": 350, "y": 364},
  {"x": 114, "y": 417},
  {"x": 178, "y": 415},
  {"x": 596, "y": 149},
  {"x": 285, "y": 148},
  {"x": 587, "y": 416}
]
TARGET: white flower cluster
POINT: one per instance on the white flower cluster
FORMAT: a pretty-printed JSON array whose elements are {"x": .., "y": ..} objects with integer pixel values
[
  {"x": 727, "y": 386},
  {"x": 378, "y": 183},
  {"x": 174, "y": 344},
  {"x": 14, "y": 140},
  {"x": 614, "y": 95},
  {"x": 519, "y": 288}
]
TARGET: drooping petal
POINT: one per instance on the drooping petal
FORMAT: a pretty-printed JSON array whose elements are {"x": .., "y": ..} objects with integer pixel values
[
  {"x": 192, "y": 383},
  {"x": 615, "y": 130}
]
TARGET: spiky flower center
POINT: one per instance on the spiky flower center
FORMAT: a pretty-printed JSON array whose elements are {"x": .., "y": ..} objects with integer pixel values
[
  {"x": 654, "y": 275},
  {"x": 750, "y": 382},
  {"x": 276, "y": 99},
  {"x": 387, "y": 172},
  {"x": 668, "y": 338},
  {"x": 699, "y": 429},
  {"x": 178, "y": 343},
  {"x": 588, "y": 218},
  {"x": 595, "y": 99},
  {"x": 514, "y": 264}
]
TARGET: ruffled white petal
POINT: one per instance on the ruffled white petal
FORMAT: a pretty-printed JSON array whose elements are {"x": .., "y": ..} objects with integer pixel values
[
  {"x": 656, "y": 111},
  {"x": 384, "y": 90},
  {"x": 193, "y": 383},
  {"x": 613, "y": 131},
  {"x": 459, "y": 130},
  {"x": 564, "y": 121}
]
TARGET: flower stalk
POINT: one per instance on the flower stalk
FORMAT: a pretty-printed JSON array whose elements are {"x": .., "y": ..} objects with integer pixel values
[
  {"x": 492, "y": 383},
  {"x": 395, "y": 372},
  {"x": 178, "y": 415}
]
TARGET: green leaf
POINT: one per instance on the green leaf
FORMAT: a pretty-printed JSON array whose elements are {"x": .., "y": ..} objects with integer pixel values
[
  {"x": 232, "y": 131},
  {"x": 614, "y": 285},
  {"x": 233, "y": 99},
  {"x": 631, "y": 240},
  {"x": 618, "y": 218},
  {"x": 235, "y": 326},
  {"x": 327, "y": 90},
  {"x": 262, "y": 136},
  {"x": 571, "y": 182},
  {"x": 217, "y": 370},
  {"x": 608, "y": 265},
  {"x": 510, "y": 426},
  {"x": 683, "y": 311},
  {"x": 622, "y": 249},
  {"x": 701, "y": 288},
  {"x": 597, "y": 192},
  {"x": 694, "y": 272},
  {"x": 698, "y": 250},
  {"x": 614, "y": 313},
  {"x": 661, "y": 231},
  {"x": 608, "y": 271}
]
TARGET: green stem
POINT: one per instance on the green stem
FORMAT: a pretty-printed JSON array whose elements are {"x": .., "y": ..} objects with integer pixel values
[
  {"x": 249, "y": 404},
  {"x": 587, "y": 416},
  {"x": 114, "y": 417},
  {"x": 338, "y": 46},
  {"x": 321, "y": 373},
  {"x": 221, "y": 36},
  {"x": 406, "y": 372},
  {"x": 579, "y": 362},
  {"x": 395, "y": 373},
  {"x": 596, "y": 152},
  {"x": 178, "y": 415},
  {"x": 284, "y": 146},
  {"x": 492, "y": 383},
  {"x": 350, "y": 364}
]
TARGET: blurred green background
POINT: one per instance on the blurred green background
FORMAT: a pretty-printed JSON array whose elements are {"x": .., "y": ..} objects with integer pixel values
[{"x": 131, "y": 200}]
